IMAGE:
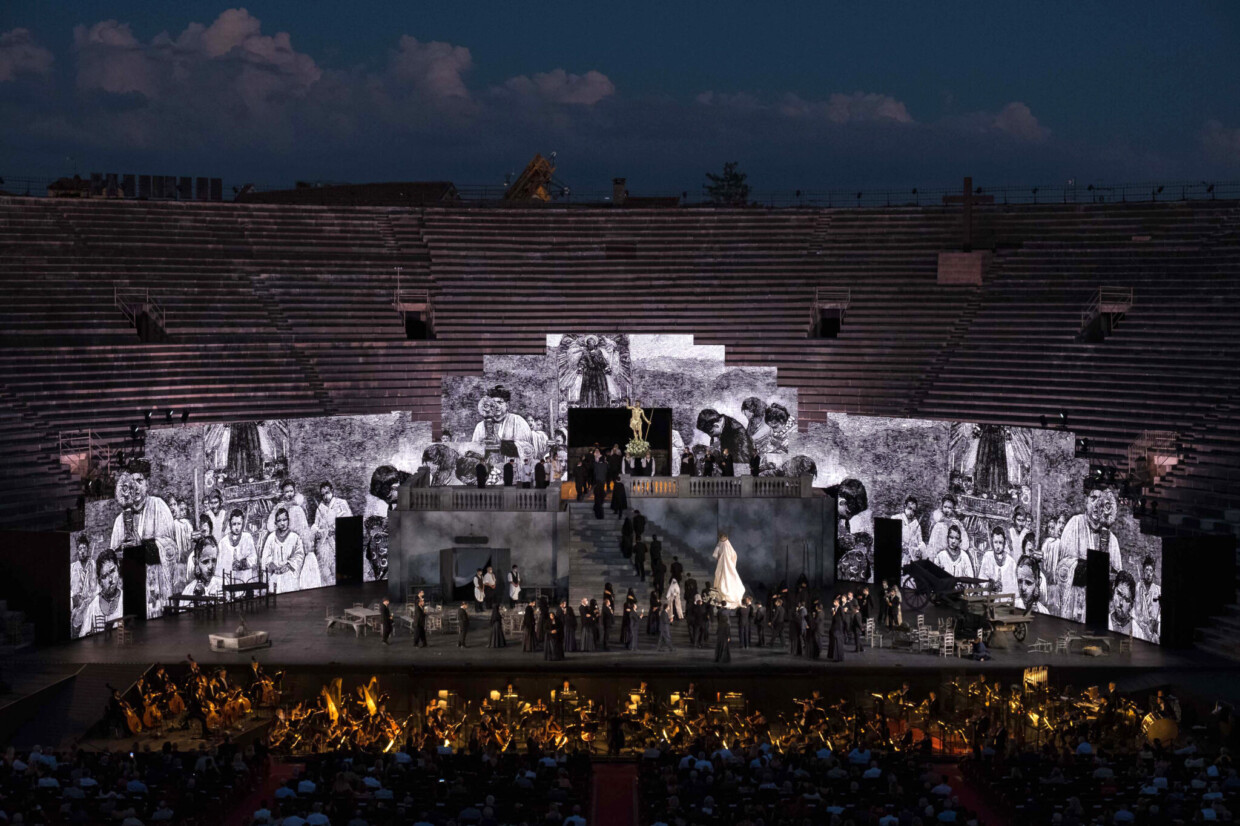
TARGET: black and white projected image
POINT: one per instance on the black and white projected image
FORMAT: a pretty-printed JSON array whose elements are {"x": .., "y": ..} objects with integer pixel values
[{"x": 95, "y": 591}]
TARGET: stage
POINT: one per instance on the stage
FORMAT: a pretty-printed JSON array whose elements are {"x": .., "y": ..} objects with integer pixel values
[{"x": 296, "y": 625}]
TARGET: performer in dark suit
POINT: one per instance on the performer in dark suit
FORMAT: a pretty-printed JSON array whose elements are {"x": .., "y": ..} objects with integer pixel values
[
  {"x": 755, "y": 465},
  {"x": 386, "y": 611},
  {"x": 540, "y": 474},
  {"x": 509, "y": 473},
  {"x": 779, "y": 618},
  {"x": 744, "y": 616},
  {"x": 528, "y": 640},
  {"x": 608, "y": 618},
  {"x": 727, "y": 466},
  {"x": 462, "y": 625},
  {"x": 419, "y": 623},
  {"x": 480, "y": 473},
  {"x": 687, "y": 463}
]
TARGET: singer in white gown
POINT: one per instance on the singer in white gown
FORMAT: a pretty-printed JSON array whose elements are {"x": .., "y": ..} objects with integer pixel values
[{"x": 727, "y": 581}]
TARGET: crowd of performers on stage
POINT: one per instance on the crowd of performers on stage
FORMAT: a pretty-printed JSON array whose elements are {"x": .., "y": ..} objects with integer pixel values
[
  {"x": 966, "y": 714},
  {"x": 199, "y": 702}
]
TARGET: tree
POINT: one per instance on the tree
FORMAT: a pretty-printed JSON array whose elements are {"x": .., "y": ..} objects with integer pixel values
[{"x": 728, "y": 188}]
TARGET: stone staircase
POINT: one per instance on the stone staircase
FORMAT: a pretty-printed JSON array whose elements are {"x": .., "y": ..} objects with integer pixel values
[{"x": 595, "y": 558}]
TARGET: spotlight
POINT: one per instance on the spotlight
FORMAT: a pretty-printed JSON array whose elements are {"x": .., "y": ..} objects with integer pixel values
[
  {"x": 1082, "y": 448},
  {"x": 146, "y": 418},
  {"x": 135, "y": 432},
  {"x": 1063, "y": 418},
  {"x": 184, "y": 416},
  {"x": 168, "y": 415}
]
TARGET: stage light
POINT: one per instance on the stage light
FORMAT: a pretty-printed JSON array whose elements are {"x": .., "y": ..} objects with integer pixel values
[
  {"x": 146, "y": 418},
  {"x": 184, "y": 416},
  {"x": 1063, "y": 418},
  {"x": 168, "y": 415}
]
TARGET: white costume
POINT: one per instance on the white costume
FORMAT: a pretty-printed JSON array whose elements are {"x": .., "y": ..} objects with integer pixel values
[
  {"x": 910, "y": 538},
  {"x": 479, "y": 593},
  {"x": 727, "y": 581},
  {"x": 673, "y": 601},
  {"x": 276, "y": 554},
  {"x": 1146, "y": 610},
  {"x": 961, "y": 566},
  {"x": 1004, "y": 574},
  {"x": 514, "y": 586},
  {"x": 323, "y": 536},
  {"x": 94, "y": 609},
  {"x": 239, "y": 561},
  {"x": 1075, "y": 543},
  {"x": 511, "y": 428}
]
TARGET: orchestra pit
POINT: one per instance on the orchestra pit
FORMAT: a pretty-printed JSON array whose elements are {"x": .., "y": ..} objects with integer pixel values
[{"x": 386, "y": 504}]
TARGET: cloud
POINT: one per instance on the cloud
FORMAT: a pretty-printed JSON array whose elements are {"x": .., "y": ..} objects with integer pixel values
[
  {"x": 435, "y": 68},
  {"x": 20, "y": 55},
  {"x": 558, "y": 86},
  {"x": 1220, "y": 142},
  {"x": 1016, "y": 120},
  {"x": 838, "y": 108}
]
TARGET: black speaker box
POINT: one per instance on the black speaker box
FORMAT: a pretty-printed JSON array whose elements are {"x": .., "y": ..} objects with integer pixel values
[{"x": 349, "y": 550}]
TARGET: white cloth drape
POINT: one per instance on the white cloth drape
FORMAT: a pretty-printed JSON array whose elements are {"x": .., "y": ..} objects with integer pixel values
[{"x": 727, "y": 580}]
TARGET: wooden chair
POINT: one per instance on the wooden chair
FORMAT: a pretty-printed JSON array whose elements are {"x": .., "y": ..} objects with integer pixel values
[
  {"x": 122, "y": 634},
  {"x": 1063, "y": 643},
  {"x": 947, "y": 645},
  {"x": 1041, "y": 646},
  {"x": 1125, "y": 642}
]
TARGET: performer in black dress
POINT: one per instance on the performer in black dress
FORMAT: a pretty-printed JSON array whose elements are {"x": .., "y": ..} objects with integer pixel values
[
  {"x": 799, "y": 626},
  {"x": 554, "y": 644},
  {"x": 634, "y": 617},
  {"x": 835, "y": 645},
  {"x": 497, "y": 629},
  {"x": 589, "y": 625},
  {"x": 462, "y": 625},
  {"x": 813, "y": 632},
  {"x": 723, "y": 637},
  {"x": 528, "y": 641},
  {"x": 608, "y": 618}
]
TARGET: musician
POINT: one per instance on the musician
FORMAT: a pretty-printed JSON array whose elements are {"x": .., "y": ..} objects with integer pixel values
[
  {"x": 385, "y": 611},
  {"x": 462, "y": 625}
]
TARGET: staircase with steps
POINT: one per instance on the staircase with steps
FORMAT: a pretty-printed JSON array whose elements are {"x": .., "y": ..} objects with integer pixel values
[{"x": 595, "y": 558}]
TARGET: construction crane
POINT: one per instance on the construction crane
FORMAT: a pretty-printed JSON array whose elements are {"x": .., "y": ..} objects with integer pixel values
[{"x": 535, "y": 182}]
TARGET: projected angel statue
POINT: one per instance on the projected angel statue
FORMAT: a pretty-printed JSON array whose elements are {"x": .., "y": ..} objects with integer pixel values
[
  {"x": 593, "y": 370},
  {"x": 727, "y": 582}
]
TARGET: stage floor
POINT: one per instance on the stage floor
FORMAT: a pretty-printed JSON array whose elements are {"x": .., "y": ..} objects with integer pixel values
[{"x": 296, "y": 625}]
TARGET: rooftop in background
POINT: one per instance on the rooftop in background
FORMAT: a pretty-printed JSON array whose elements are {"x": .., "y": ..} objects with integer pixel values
[{"x": 399, "y": 193}]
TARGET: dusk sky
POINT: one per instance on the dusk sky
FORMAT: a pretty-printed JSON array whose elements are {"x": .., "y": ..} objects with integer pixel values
[{"x": 804, "y": 95}]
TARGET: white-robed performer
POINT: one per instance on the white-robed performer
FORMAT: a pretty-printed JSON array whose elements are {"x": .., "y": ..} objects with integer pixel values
[
  {"x": 283, "y": 555},
  {"x": 673, "y": 600},
  {"x": 727, "y": 581}
]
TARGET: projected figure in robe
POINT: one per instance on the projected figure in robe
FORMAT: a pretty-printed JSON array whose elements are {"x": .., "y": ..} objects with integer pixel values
[
  {"x": 593, "y": 371},
  {"x": 727, "y": 580}
]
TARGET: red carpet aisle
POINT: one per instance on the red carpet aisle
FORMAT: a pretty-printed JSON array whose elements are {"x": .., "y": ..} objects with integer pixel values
[{"x": 614, "y": 795}]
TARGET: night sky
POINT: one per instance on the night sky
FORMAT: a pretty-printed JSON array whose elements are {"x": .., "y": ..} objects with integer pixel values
[{"x": 804, "y": 95}]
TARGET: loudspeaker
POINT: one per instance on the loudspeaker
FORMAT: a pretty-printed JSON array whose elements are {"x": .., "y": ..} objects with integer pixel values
[
  {"x": 349, "y": 545},
  {"x": 1097, "y": 589},
  {"x": 134, "y": 561},
  {"x": 888, "y": 537}
]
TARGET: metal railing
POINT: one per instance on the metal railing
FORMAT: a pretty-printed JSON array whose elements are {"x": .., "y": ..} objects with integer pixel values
[
  {"x": 85, "y": 450},
  {"x": 1070, "y": 192},
  {"x": 719, "y": 487},
  {"x": 461, "y": 498},
  {"x": 133, "y": 301},
  {"x": 1113, "y": 300}
]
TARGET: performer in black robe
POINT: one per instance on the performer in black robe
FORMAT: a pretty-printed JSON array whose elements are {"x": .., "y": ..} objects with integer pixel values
[
  {"x": 589, "y": 626},
  {"x": 619, "y": 500},
  {"x": 779, "y": 621},
  {"x": 481, "y": 472},
  {"x": 570, "y": 627},
  {"x": 687, "y": 464},
  {"x": 708, "y": 465},
  {"x": 813, "y": 633},
  {"x": 608, "y": 619},
  {"x": 497, "y": 629},
  {"x": 528, "y": 641},
  {"x": 858, "y": 629},
  {"x": 540, "y": 628},
  {"x": 835, "y": 647},
  {"x": 462, "y": 625},
  {"x": 609, "y": 595},
  {"x": 580, "y": 479},
  {"x": 727, "y": 465},
  {"x": 652, "y": 621},
  {"x": 626, "y": 545},
  {"x": 634, "y": 617},
  {"x": 625, "y": 628},
  {"x": 744, "y": 619},
  {"x": 799, "y": 626},
  {"x": 553, "y": 647},
  {"x": 723, "y": 637}
]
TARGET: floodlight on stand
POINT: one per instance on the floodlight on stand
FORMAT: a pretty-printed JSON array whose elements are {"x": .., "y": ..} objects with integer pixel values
[
  {"x": 184, "y": 416},
  {"x": 168, "y": 415},
  {"x": 1063, "y": 418},
  {"x": 146, "y": 417}
]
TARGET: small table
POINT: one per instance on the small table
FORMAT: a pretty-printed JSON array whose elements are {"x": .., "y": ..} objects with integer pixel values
[
  {"x": 364, "y": 614},
  {"x": 1086, "y": 639},
  {"x": 231, "y": 641}
]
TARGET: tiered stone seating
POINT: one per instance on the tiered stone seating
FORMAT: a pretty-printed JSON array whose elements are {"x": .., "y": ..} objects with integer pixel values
[{"x": 287, "y": 311}]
